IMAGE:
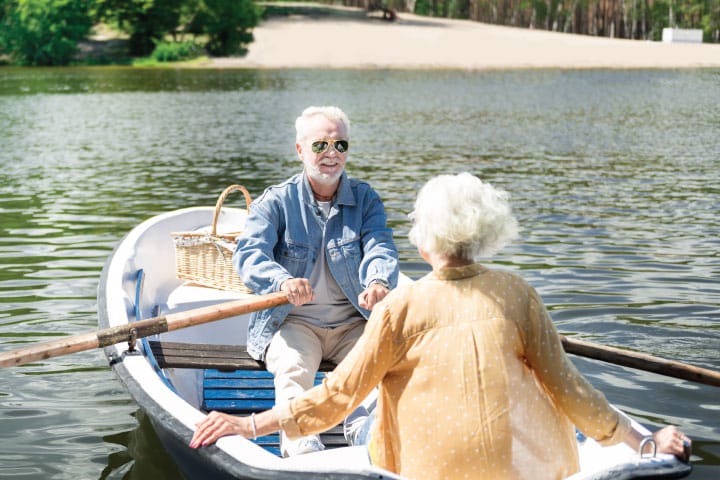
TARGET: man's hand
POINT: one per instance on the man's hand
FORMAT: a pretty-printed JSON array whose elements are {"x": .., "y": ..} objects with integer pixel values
[
  {"x": 298, "y": 290},
  {"x": 372, "y": 295}
]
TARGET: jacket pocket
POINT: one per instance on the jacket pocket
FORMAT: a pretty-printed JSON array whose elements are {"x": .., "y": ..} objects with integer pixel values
[
  {"x": 351, "y": 253},
  {"x": 293, "y": 257}
]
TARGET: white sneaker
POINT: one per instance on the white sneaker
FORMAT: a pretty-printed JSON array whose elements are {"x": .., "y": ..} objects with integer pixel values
[{"x": 300, "y": 446}]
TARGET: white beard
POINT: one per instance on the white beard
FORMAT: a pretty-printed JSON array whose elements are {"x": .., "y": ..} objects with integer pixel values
[{"x": 320, "y": 177}]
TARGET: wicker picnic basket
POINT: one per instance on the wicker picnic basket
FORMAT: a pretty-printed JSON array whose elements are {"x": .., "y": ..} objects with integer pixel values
[{"x": 206, "y": 257}]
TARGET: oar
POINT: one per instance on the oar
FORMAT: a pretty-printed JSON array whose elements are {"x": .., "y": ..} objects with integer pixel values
[
  {"x": 198, "y": 316},
  {"x": 140, "y": 329},
  {"x": 641, "y": 361}
]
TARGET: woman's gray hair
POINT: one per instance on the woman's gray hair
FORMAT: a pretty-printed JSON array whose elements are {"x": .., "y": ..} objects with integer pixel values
[
  {"x": 462, "y": 216},
  {"x": 329, "y": 112}
]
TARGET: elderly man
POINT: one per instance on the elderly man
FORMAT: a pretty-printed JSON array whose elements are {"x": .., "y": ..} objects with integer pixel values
[{"x": 322, "y": 238}]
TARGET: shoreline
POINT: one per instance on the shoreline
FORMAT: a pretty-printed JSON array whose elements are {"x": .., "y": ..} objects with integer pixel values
[{"x": 354, "y": 40}]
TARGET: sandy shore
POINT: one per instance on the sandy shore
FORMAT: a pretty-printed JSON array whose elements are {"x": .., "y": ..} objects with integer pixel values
[{"x": 360, "y": 41}]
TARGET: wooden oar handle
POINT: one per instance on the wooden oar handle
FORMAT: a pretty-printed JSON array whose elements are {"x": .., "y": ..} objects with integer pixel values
[
  {"x": 198, "y": 316},
  {"x": 140, "y": 329},
  {"x": 641, "y": 361}
]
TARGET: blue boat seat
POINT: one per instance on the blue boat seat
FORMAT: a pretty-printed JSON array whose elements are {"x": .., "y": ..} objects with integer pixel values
[
  {"x": 242, "y": 392},
  {"x": 234, "y": 382}
]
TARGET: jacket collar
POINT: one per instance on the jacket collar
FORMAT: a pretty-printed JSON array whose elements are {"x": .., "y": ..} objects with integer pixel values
[{"x": 343, "y": 196}]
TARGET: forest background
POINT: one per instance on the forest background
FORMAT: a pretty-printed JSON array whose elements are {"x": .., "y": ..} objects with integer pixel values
[{"x": 49, "y": 32}]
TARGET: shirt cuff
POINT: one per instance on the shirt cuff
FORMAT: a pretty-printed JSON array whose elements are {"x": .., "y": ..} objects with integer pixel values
[
  {"x": 621, "y": 432},
  {"x": 287, "y": 420},
  {"x": 381, "y": 282},
  {"x": 277, "y": 282}
]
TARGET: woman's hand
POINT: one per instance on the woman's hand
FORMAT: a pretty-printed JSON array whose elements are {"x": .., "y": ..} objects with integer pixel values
[
  {"x": 217, "y": 425},
  {"x": 671, "y": 440}
]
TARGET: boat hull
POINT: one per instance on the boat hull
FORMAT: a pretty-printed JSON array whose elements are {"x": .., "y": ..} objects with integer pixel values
[{"x": 138, "y": 281}]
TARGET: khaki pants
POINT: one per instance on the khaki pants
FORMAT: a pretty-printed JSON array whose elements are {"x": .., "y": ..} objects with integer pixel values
[
  {"x": 297, "y": 348},
  {"x": 295, "y": 353}
]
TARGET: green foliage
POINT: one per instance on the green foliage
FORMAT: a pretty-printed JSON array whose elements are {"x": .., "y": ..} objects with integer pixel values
[
  {"x": 147, "y": 21},
  {"x": 711, "y": 23},
  {"x": 47, "y": 32},
  {"x": 176, "y": 51},
  {"x": 227, "y": 23},
  {"x": 43, "y": 32},
  {"x": 541, "y": 12},
  {"x": 657, "y": 19},
  {"x": 423, "y": 7}
]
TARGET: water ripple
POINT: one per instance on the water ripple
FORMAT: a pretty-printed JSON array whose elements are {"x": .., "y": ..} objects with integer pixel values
[{"x": 613, "y": 175}]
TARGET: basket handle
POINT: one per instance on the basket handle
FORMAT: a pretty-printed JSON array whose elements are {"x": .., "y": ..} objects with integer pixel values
[{"x": 221, "y": 200}]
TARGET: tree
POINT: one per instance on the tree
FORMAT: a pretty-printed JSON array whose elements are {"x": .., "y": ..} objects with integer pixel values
[
  {"x": 147, "y": 21},
  {"x": 227, "y": 23},
  {"x": 638, "y": 19},
  {"x": 43, "y": 32}
]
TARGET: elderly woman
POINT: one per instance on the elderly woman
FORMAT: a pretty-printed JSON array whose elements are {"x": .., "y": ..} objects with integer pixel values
[{"x": 473, "y": 380}]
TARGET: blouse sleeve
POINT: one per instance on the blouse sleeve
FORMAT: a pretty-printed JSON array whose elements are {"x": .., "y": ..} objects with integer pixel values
[
  {"x": 325, "y": 405},
  {"x": 586, "y": 406}
]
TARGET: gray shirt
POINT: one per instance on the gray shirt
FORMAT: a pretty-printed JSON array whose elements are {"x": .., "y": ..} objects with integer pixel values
[{"x": 330, "y": 308}]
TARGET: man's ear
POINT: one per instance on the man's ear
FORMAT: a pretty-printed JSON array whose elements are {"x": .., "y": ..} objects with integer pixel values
[{"x": 298, "y": 147}]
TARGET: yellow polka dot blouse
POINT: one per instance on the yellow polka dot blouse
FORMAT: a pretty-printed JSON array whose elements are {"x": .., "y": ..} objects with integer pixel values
[{"x": 473, "y": 383}]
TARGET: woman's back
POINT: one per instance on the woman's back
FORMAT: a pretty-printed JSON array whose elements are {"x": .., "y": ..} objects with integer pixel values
[{"x": 461, "y": 394}]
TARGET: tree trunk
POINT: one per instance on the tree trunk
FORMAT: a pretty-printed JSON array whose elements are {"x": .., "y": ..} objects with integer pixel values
[{"x": 547, "y": 14}]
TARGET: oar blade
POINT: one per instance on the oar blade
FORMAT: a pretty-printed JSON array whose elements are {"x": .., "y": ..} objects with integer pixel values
[{"x": 49, "y": 349}]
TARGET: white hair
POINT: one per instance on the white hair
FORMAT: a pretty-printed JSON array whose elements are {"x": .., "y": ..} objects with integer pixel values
[
  {"x": 462, "y": 216},
  {"x": 329, "y": 112}
]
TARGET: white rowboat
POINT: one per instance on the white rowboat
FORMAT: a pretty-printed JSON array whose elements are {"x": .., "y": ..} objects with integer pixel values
[{"x": 176, "y": 376}]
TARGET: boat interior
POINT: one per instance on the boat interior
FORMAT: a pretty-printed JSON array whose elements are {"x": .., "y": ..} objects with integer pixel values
[{"x": 207, "y": 365}]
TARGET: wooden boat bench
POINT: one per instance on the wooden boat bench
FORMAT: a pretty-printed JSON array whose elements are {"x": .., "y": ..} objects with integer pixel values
[
  {"x": 203, "y": 356},
  {"x": 235, "y": 383}
]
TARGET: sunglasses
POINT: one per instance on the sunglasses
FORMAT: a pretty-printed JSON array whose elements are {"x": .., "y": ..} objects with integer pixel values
[{"x": 321, "y": 146}]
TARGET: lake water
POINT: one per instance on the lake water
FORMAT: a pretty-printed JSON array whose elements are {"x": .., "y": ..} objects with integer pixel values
[{"x": 614, "y": 175}]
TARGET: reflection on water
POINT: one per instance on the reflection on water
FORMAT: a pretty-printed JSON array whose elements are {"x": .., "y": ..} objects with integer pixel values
[
  {"x": 133, "y": 462},
  {"x": 614, "y": 178}
]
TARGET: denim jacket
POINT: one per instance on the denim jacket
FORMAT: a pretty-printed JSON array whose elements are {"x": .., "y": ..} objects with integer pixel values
[{"x": 282, "y": 240}]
